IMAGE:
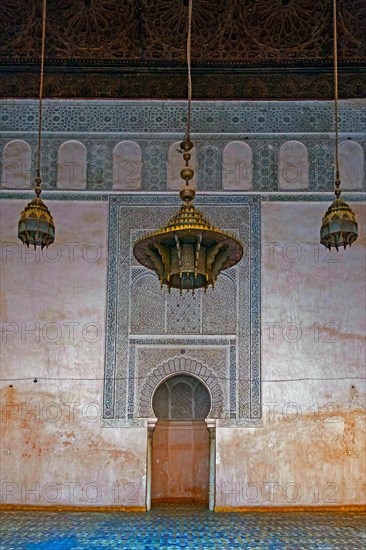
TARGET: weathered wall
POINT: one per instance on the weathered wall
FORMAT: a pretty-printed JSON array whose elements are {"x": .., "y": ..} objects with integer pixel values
[
  {"x": 56, "y": 310},
  {"x": 311, "y": 448},
  {"x": 54, "y": 450}
]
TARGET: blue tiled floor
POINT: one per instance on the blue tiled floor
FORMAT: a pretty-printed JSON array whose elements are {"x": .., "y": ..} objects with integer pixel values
[{"x": 181, "y": 527}]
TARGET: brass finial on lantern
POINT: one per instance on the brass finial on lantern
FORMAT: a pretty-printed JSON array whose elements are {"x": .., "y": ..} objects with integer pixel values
[
  {"x": 36, "y": 225},
  {"x": 339, "y": 226},
  {"x": 188, "y": 252}
]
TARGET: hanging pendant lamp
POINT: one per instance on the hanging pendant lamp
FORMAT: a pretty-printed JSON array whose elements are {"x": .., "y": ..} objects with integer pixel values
[
  {"x": 188, "y": 252},
  {"x": 36, "y": 226},
  {"x": 339, "y": 226}
]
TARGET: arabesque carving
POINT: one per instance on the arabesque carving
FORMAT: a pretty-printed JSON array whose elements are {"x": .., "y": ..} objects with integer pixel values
[{"x": 121, "y": 39}]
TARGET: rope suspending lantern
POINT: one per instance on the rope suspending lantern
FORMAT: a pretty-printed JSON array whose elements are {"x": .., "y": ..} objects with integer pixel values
[
  {"x": 36, "y": 226},
  {"x": 339, "y": 226},
  {"x": 188, "y": 252},
  {"x": 187, "y": 145}
]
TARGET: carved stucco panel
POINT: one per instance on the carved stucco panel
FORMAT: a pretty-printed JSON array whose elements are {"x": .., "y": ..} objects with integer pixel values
[{"x": 181, "y": 365}]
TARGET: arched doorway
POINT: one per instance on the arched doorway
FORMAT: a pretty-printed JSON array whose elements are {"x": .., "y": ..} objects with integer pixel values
[{"x": 180, "y": 446}]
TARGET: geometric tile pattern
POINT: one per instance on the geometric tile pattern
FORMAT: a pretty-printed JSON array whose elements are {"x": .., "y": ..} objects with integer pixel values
[
  {"x": 161, "y": 117},
  {"x": 173, "y": 527},
  {"x": 154, "y": 126}
]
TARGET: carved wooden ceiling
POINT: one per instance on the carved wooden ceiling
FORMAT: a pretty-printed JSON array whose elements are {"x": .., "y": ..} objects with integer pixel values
[{"x": 241, "y": 49}]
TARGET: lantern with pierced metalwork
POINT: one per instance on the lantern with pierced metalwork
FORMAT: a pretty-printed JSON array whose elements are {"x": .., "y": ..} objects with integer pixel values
[
  {"x": 339, "y": 226},
  {"x": 36, "y": 225},
  {"x": 188, "y": 252}
]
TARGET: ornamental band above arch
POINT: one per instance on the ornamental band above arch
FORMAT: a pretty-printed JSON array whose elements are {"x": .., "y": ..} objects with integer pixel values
[{"x": 187, "y": 366}]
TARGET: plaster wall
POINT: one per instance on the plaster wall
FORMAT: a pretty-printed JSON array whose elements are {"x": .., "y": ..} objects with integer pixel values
[
  {"x": 308, "y": 445},
  {"x": 53, "y": 448},
  {"x": 310, "y": 450}
]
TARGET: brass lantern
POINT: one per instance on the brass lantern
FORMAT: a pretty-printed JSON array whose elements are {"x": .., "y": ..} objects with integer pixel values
[
  {"x": 339, "y": 226},
  {"x": 188, "y": 252},
  {"x": 36, "y": 225}
]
